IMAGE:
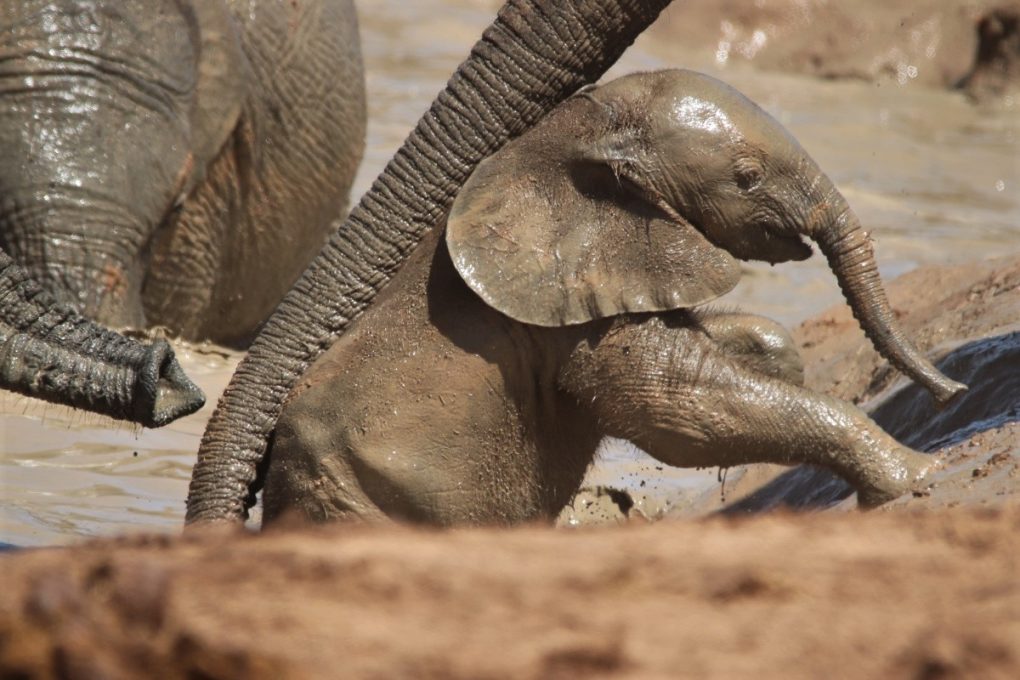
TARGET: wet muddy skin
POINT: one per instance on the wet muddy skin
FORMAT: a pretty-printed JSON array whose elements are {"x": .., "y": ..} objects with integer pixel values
[
  {"x": 966, "y": 317},
  {"x": 932, "y": 175},
  {"x": 890, "y": 593}
]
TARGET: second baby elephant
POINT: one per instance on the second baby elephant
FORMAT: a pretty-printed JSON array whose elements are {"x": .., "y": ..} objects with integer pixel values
[
  {"x": 560, "y": 304},
  {"x": 176, "y": 162}
]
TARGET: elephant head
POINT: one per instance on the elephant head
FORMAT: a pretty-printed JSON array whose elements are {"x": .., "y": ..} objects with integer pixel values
[
  {"x": 530, "y": 59},
  {"x": 109, "y": 113},
  {"x": 51, "y": 352},
  {"x": 636, "y": 196}
]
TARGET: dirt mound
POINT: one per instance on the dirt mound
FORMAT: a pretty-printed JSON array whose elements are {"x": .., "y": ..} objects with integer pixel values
[{"x": 880, "y": 595}]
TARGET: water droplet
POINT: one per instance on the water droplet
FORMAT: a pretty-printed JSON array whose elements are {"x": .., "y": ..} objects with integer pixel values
[
  {"x": 722, "y": 53},
  {"x": 1000, "y": 186}
]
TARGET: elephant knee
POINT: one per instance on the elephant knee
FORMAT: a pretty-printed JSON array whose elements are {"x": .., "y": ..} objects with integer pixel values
[
  {"x": 757, "y": 342},
  {"x": 310, "y": 468}
]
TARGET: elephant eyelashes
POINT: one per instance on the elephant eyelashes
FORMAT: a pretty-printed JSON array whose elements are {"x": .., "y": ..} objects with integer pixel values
[{"x": 749, "y": 175}]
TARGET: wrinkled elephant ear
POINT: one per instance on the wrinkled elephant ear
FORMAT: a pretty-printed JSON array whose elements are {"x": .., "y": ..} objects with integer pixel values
[
  {"x": 220, "y": 89},
  {"x": 548, "y": 235}
]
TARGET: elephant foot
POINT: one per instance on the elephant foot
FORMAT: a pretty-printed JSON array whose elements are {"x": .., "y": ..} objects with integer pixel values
[{"x": 909, "y": 474}]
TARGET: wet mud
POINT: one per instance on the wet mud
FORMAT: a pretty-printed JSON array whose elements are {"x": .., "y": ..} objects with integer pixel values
[
  {"x": 66, "y": 475},
  {"x": 951, "y": 44},
  {"x": 996, "y": 71}
]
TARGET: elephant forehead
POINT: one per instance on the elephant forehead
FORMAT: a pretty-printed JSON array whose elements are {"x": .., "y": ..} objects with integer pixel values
[
  {"x": 700, "y": 114},
  {"x": 144, "y": 41},
  {"x": 687, "y": 105}
]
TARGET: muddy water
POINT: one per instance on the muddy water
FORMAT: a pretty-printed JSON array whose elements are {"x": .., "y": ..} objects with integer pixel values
[
  {"x": 935, "y": 179},
  {"x": 66, "y": 474}
]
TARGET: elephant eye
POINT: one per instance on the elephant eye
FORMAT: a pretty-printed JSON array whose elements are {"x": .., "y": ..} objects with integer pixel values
[{"x": 748, "y": 175}]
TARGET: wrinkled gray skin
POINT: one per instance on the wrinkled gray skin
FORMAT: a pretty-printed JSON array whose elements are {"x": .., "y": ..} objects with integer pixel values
[
  {"x": 49, "y": 351},
  {"x": 596, "y": 232},
  {"x": 533, "y": 56},
  {"x": 176, "y": 162}
]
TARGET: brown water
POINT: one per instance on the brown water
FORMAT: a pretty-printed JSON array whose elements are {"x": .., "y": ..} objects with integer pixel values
[{"x": 934, "y": 178}]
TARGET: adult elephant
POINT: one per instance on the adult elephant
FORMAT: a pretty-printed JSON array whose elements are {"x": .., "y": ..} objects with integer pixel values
[
  {"x": 533, "y": 56},
  {"x": 49, "y": 351},
  {"x": 176, "y": 162}
]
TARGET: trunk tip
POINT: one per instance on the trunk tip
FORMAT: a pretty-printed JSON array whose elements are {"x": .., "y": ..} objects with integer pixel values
[
  {"x": 164, "y": 392},
  {"x": 947, "y": 392},
  {"x": 176, "y": 396}
]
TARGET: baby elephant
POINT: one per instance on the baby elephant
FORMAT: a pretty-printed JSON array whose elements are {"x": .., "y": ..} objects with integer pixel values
[{"x": 560, "y": 308}]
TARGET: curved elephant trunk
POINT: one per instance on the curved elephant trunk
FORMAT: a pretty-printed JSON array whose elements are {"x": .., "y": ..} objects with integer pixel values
[
  {"x": 532, "y": 57},
  {"x": 84, "y": 252},
  {"x": 852, "y": 258},
  {"x": 51, "y": 352}
]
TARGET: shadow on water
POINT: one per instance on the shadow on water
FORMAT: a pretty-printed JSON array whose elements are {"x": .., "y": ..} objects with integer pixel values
[{"x": 990, "y": 366}]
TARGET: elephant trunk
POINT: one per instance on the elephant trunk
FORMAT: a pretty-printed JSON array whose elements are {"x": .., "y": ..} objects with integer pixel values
[
  {"x": 84, "y": 250},
  {"x": 95, "y": 136},
  {"x": 532, "y": 57},
  {"x": 851, "y": 256},
  {"x": 50, "y": 352}
]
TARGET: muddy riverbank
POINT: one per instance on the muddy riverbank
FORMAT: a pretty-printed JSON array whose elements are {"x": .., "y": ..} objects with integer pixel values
[
  {"x": 924, "y": 587},
  {"x": 905, "y": 595}
]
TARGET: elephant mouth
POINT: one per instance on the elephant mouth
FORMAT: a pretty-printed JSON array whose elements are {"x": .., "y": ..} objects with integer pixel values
[{"x": 773, "y": 244}]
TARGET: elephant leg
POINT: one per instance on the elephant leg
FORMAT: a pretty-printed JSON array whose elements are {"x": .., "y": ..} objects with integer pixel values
[
  {"x": 668, "y": 387},
  {"x": 322, "y": 486},
  {"x": 758, "y": 342}
]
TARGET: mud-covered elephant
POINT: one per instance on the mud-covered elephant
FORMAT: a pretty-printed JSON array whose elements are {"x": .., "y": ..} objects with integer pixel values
[
  {"x": 49, "y": 351},
  {"x": 532, "y": 57},
  {"x": 478, "y": 386},
  {"x": 176, "y": 162}
]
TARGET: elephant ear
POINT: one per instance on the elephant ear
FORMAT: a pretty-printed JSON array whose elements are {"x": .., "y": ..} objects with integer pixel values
[
  {"x": 220, "y": 91},
  {"x": 548, "y": 236}
]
